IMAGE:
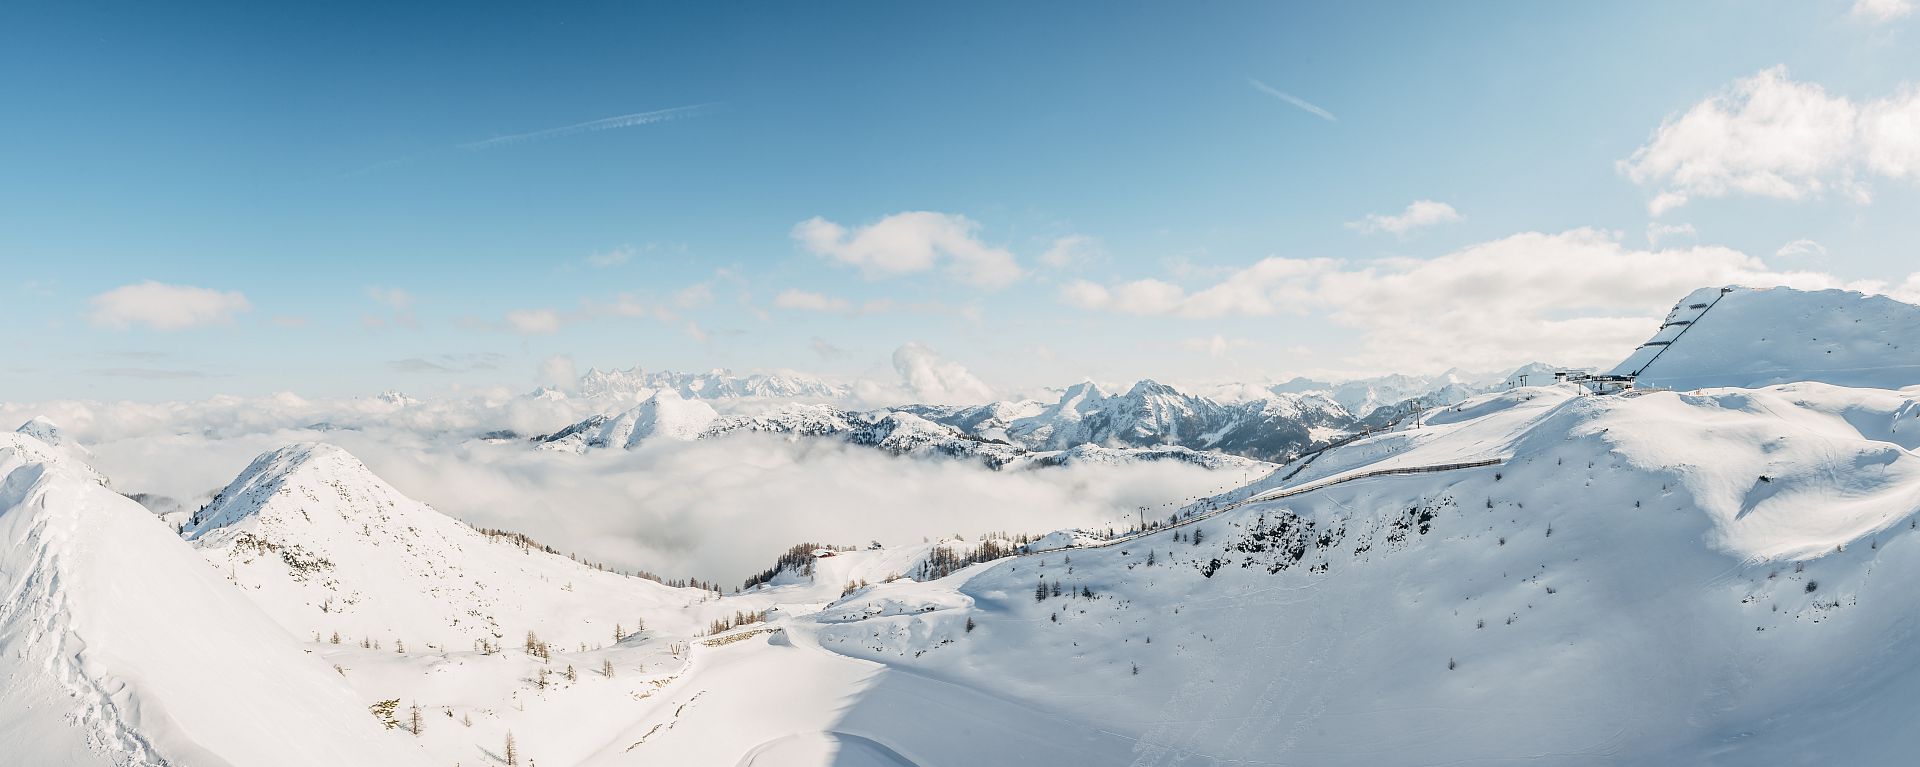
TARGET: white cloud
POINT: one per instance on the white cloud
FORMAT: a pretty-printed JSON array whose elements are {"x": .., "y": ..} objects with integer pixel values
[
  {"x": 1217, "y": 346},
  {"x": 1890, "y": 129},
  {"x": 697, "y": 333},
  {"x": 907, "y": 243},
  {"x": 1271, "y": 286},
  {"x": 400, "y": 302},
  {"x": 1657, "y": 231},
  {"x": 1802, "y": 249},
  {"x": 932, "y": 379},
  {"x": 611, "y": 258},
  {"x": 558, "y": 372},
  {"x": 1882, "y": 11},
  {"x": 1419, "y": 214},
  {"x": 1770, "y": 136},
  {"x": 680, "y": 509},
  {"x": 627, "y": 305},
  {"x": 1082, "y": 294},
  {"x": 694, "y": 296},
  {"x": 395, "y": 298},
  {"x": 166, "y": 307},
  {"x": 534, "y": 321},
  {"x": 1577, "y": 297},
  {"x": 805, "y": 301},
  {"x": 1070, "y": 251},
  {"x": 826, "y": 349}
]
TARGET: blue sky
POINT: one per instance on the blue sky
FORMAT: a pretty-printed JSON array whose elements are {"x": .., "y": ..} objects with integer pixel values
[{"x": 302, "y": 185}]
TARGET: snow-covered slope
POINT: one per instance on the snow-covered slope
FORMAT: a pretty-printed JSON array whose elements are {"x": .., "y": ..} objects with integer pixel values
[
  {"x": 1654, "y": 579},
  {"x": 324, "y": 546},
  {"x": 119, "y": 646},
  {"x": 1744, "y": 337},
  {"x": 663, "y": 414}
]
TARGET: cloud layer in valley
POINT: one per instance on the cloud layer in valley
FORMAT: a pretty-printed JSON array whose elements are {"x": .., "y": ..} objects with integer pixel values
[{"x": 717, "y": 509}]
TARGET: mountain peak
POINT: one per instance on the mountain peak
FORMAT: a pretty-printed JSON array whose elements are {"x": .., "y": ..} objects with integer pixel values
[
  {"x": 1749, "y": 338},
  {"x": 44, "y": 429},
  {"x": 300, "y": 468},
  {"x": 1147, "y": 387}
]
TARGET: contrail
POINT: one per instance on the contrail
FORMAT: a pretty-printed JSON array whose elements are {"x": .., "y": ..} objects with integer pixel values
[
  {"x": 1294, "y": 100},
  {"x": 605, "y": 123}
]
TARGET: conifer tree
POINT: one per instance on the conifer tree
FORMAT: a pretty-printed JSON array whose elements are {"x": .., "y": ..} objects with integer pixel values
[
  {"x": 413, "y": 719},
  {"x": 513, "y": 754},
  {"x": 606, "y": 668},
  {"x": 1040, "y": 592}
]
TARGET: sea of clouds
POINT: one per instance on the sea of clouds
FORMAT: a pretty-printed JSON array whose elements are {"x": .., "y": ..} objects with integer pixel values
[{"x": 716, "y": 509}]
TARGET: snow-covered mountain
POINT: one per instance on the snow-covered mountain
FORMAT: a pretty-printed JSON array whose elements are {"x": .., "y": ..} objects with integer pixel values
[
  {"x": 902, "y": 432},
  {"x": 637, "y": 383},
  {"x": 1153, "y": 414},
  {"x": 1538, "y": 574},
  {"x": 324, "y": 546},
  {"x": 119, "y": 646},
  {"x": 663, "y": 414},
  {"x": 1744, "y": 337},
  {"x": 1648, "y": 579}
]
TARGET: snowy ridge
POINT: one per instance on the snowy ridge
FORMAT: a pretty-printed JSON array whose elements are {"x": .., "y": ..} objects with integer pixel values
[
  {"x": 1151, "y": 414},
  {"x": 901, "y": 432},
  {"x": 662, "y": 414},
  {"x": 1749, "y": 338},
  {"x": 324, "y": 546},
  {"x": 95, "y": 668},
  {"x": 1650, "y": 579}
]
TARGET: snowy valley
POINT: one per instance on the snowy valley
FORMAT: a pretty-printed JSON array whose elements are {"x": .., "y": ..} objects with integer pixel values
[{"x": 1714, "y": 566}]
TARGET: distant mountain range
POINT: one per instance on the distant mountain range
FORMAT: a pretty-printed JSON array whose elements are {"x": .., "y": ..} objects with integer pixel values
[
  {"x": 636, "y": 383},
  {"x": 1286, "y": 421}
]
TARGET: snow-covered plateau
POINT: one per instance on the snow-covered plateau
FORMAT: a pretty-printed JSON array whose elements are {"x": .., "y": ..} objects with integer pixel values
[{"x": 1715, "y": 567}]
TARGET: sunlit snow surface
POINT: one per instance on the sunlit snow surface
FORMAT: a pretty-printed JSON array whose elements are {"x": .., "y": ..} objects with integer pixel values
[{"x": 1707, "y": 575}]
